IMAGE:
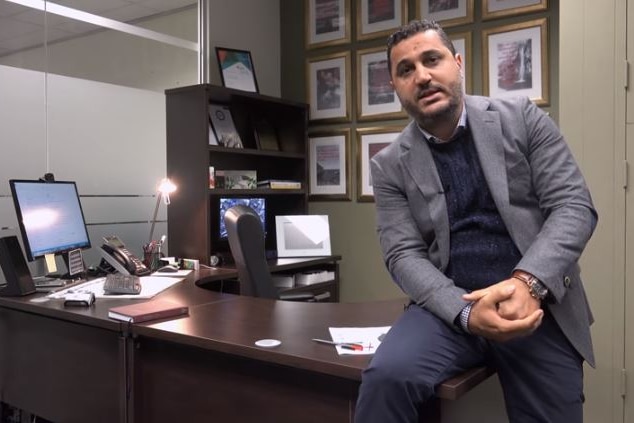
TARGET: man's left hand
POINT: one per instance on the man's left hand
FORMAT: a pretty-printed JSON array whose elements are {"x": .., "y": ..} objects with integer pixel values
[{"x": 518, "y": 306}]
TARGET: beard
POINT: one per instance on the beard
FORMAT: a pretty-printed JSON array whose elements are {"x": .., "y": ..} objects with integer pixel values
[{"x": 439, "y": 116}]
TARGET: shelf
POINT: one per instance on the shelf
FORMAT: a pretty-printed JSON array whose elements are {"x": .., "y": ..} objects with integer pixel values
[
  {"x": 252, "y": 192},
  {"x": 254, "y": 152},
  {"x": 194, "y": 220}
]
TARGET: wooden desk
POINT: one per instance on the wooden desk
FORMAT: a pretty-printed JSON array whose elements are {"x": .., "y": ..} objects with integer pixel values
[
  {"x": 69, "y": 364},
  {"x": 281, "y": 265},
  {"x": 207, "y": 366},
  {"x": 76, "y": 365}
]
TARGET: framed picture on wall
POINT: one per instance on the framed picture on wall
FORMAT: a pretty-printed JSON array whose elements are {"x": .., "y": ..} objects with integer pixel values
[
  {"x": 379, "y": 18},
  {"x": 515, "y": 61},
  {"x": 329, "y": 165},
  {"x": 327, "y": 22},
  {"x": 328, "y": 88},
  {"x": 492, "y": 9},
  {"x": 236, "y": 69},
  {"x": 369, "y": 142},
  {"x": 376, "y": 98},
  {"x": 446, "y": 12},
  {"x": 463, "y": 44}
]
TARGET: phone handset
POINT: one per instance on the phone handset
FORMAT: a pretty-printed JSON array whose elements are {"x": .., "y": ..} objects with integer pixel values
[{"x": 119, "y": 257}]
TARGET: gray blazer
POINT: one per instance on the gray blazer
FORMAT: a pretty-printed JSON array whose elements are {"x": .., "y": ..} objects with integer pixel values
[{"x": 539, "y": 193}]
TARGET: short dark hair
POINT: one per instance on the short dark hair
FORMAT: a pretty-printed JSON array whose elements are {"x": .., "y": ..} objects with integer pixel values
[{"x": 412, "y": 28}]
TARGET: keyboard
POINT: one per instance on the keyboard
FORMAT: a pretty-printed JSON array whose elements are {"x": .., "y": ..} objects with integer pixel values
[{"x": 117, "y": 283}]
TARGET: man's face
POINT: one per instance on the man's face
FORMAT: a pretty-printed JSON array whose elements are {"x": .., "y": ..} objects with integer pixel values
[{"x": 427, "y": 79}]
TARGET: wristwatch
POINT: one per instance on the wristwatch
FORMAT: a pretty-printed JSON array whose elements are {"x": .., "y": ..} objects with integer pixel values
[{"x": 535, "y": 287}]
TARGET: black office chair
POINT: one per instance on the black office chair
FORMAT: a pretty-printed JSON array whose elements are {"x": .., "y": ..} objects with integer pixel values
[{"x": 246, "y": 241}]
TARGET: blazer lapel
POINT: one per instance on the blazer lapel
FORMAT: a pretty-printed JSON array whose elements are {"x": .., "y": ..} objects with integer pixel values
[
  {"x": 489, "y": 141},
  {"x": 486, "y": 131},
  {"x": 418, "y": 161}
]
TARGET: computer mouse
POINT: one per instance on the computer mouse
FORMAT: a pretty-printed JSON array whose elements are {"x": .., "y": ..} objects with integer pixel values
[{"x": 167, "y": 269}]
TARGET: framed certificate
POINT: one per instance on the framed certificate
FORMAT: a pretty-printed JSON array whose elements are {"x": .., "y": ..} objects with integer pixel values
[{"x": 236, "y": 69}]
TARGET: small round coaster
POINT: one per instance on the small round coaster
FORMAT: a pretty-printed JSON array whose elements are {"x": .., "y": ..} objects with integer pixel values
[{"x": 268, "y": 343}]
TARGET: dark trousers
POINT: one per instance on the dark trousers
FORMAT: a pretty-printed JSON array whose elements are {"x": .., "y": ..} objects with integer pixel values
[{"x": 541, "y": 374}]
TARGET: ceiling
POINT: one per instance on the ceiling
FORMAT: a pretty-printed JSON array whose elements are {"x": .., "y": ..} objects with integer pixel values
[{"x": 22, "y": 27}]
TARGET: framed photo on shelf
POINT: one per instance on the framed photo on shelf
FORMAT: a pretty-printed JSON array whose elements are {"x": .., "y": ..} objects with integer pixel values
[
  {"x": 327, "y": 22},
  {"x": 236, "y": 69},
  {"x": 446, "y": 13},
  {"x": 306, "y": 235},
  {"x": 463, "y": 43},
  {"x": 223, "y": 126},
  {"x": 515, "y": 61},
  {"x": 380, "y": 18},
  {"x": 265, "y": 135},
  {"x": 328, "y": 88},
  {"x": 369, "y": 142},
  {"x": 329, "y": 165},
  {"x": 492, "y": 9},
  {"x": 376, "y": 98}
]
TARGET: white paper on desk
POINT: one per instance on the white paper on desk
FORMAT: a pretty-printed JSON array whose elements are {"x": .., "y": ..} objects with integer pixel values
[
  {"x": 368, "y": 337},
  {"x": 150, "y": 286}
]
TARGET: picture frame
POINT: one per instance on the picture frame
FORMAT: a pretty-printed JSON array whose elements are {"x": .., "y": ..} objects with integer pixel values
[
  {"x": 327, "y": 23},
  {"x": 306, "y": 235},
  {"x": 329, "y": 165},
  {"x": 515, "y": 61},
  {"x": 446, "y": 13},
  {"x": 379, "y": 18},
  {"x": 223, "y": 126},
  {"x": 328, "y": 90},
  {"x": 369, "y": 142},
  {"x": 376, "y": 99},
  {"x": 236, "y": 69},
  {"x": 265, "y": 135},
  {"x": 463, "y": 43},
  {"x": 502, "y": 9}
]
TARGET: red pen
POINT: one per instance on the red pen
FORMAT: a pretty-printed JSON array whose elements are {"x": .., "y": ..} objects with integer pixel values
[{"x": 355, "y": 346}]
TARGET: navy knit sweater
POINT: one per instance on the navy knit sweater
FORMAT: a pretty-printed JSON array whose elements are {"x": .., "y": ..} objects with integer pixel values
[{"x": 481, "y": 250}]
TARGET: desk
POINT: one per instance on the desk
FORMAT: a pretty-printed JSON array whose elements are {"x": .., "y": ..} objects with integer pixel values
[
  {"x": 76, "y": 365},
  {"x": 70, "y": 364},
  {"x": 207, "y": 366},
  {"x": 282, "y": 265}
]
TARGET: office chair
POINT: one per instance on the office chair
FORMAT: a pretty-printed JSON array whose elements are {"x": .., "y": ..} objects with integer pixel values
[{"x": 246, "y": 241}]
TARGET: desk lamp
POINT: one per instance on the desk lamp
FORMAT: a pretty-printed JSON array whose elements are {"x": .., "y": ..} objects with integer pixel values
[{"x": 165, "y": 188}]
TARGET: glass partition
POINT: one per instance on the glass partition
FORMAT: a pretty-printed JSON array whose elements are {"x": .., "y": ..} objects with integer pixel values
[{"x": 82, "y": 96}]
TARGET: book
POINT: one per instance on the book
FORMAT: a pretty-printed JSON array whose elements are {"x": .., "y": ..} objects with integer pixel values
[
  {"x": 265, "y": 135},
  {"x": 223, "y": 126},
  {"x": 279, "y": 184},
  {"x": 236, "y": 179},
  {"x": 148, "y": 310}
]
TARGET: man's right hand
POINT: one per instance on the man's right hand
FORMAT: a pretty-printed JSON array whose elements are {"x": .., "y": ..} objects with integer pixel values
[{"x": 485, "y": 320}]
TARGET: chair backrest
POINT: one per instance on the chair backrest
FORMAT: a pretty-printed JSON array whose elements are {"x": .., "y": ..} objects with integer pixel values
[{"x": 246, "y": 241}]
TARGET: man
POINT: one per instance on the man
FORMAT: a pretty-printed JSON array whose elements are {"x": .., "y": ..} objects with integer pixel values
[{"x": 482, "y": 214}]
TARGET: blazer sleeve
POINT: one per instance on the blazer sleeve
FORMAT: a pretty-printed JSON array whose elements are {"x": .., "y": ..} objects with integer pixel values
[{"x": 563, "y": 198}]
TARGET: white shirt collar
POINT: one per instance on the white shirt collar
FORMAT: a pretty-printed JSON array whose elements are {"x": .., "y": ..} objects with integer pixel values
[{"x": 462, "y": 124}]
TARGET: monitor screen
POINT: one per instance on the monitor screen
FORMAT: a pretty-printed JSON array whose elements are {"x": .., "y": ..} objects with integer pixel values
[
  {"x": 50, "y": 217},
  {"x": 257, "y": 204}
]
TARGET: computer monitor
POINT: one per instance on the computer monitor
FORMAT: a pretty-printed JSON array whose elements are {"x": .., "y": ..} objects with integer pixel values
[
  {"x": 50, "y": 217},
  {"x": 257, "y": 204}
]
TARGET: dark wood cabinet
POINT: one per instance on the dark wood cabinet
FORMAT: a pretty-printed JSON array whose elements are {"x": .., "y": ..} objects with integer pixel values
[{"x": 193, "y": 215}]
